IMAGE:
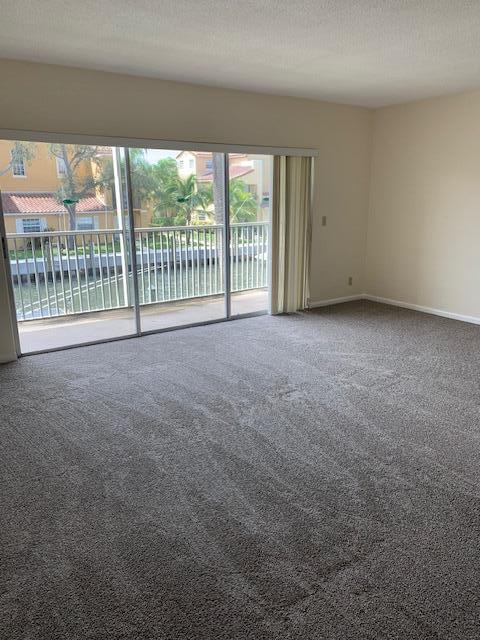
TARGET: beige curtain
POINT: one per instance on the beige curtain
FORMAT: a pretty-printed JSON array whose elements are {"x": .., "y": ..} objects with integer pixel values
[{"x": 291, "y": 233}]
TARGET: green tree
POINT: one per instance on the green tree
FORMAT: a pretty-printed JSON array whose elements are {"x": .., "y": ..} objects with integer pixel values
[
  {"x": 243, "y": 204},
  {"x": 164, "y": 193},
  {"x": 151, "y": 183},
  {"x": 78, "y": 180},
  {"x": 165, "y": 171},
  {"x": 20, "y": 152},
  {"x": 142, "y": 176},
  {"x": 186, "y": 197}
]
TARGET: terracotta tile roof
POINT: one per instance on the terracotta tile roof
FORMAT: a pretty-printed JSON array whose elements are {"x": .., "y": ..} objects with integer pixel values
[
  {"x": 235, "y": 171},
  {"x": 46, "y": 203}
]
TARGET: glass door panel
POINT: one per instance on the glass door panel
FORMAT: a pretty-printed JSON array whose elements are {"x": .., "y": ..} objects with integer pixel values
[
  {"x": 178, "y": 215},
  {"x": 67, "y": 249},
  {"x": 70, "y": 232},
  {"x": 250, "y": 179}
]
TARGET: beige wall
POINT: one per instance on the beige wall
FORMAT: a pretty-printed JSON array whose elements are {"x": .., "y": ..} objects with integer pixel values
[
  {"x": 59, "y": 99},
  {"x": 56, "y": 222},
  {"x": 423, "y": 243},
  {"x": 418, "y": 183},
  {"x": 40, "y": 174}
]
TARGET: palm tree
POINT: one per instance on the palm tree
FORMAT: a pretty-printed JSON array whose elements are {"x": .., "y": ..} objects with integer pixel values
[
  {"x": 185, "y": 196},
  {"x": 243, "y": 204},
  {"x": 143, "y": 176},
  {"x": 163, "y": 195}
]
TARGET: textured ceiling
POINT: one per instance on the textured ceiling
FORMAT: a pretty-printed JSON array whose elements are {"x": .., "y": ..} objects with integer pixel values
[{"x": 365, "y": 52}]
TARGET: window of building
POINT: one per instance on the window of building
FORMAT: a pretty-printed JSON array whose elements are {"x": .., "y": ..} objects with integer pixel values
[
  {"x": 209, "y": 165},
  {"x": 61, "y": 168},
  {"x": 86, "y": 223},
  {"x": 29, "y": 225},
  {"x": 180, "y": 164},
  {"x": 191, "y": 163},
  {"x": 18, "y": 168}
]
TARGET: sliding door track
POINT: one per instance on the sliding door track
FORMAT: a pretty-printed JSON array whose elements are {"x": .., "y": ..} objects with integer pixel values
[{"x": 131, "y": 336}]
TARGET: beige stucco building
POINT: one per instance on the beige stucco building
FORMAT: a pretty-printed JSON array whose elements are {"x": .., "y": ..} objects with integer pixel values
[{"x": 29, "y": 194}]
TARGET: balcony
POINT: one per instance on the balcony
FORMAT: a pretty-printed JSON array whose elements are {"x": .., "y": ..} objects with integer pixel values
[{"x": 77, "y": 286}]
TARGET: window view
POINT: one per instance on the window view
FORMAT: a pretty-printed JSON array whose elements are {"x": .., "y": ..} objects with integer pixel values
[
  {"x": 179, "y": 225},
  {"x": 67, "y": 250},
  {"x": 250, "y": 189},
  {"x": 74, "y": 274}
]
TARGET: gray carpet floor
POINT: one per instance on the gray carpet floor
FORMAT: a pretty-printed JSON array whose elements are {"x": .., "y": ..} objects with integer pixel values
[{"x": 314, "y": 476}]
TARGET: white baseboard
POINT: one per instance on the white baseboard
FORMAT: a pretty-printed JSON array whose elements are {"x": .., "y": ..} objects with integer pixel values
[
  {"x": 396, "y": 303},
  {"x": 422, "y": 309},
  {"x": 313, "y": 304}
]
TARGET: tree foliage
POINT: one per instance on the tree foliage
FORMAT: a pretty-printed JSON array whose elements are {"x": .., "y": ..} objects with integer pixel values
[
  {"x": 78, "y": 180},
  {"x": 20, "y": 152},
  {"x": 243, "y": 204},
  {"x": 185, "y": 196},
  {"x": 172, "y": 198},
  {"x": 143, "y": 179},
  {"x": 177, "y": 200}
]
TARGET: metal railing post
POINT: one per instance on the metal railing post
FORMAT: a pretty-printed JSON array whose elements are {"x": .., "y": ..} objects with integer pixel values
[{"x": 249, "y": 242}]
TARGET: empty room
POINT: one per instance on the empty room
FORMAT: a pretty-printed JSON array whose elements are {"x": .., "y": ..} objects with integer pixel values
[{"x": 239, "y": 320}]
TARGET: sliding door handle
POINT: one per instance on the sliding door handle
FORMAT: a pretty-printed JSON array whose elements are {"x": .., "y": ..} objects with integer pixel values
[{"x": 4, "y": 248}]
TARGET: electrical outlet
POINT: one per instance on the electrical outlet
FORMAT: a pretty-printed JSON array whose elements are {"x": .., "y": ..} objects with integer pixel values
[
  {"x": 324, "y": 221},
  {"x": 350, "y": 280}
]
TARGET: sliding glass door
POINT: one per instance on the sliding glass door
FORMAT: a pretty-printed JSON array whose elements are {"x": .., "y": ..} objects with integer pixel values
[
  {"x": 250, "y": 178},
  {"x": 179, "y": 218},
  {"x": 68, "y": 255},
  {"x": 108, "y": 242}
]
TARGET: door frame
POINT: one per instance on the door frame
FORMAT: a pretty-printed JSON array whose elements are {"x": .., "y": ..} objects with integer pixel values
[
  {"x": 8, "y": 276},
  {"x": 133, "y": 254},
  {"x": 226, "y": 237}
]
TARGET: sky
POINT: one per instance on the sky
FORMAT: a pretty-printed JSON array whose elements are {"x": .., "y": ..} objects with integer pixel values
[{"x": 154, "y": 155}]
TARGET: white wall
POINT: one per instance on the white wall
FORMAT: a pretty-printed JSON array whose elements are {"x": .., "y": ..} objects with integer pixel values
[
  {"x": 423, "y": 243},
  {"x": 60, "y": 99}
]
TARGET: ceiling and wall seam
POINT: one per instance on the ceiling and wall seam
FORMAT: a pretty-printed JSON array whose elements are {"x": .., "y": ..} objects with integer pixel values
[{"x": 364, "y": 53}]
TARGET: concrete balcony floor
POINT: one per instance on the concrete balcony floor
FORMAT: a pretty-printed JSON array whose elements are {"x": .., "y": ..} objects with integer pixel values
[{"x": 54, "y": 333}]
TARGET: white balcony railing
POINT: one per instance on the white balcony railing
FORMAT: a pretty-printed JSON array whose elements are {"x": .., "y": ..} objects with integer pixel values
[{"x": 69, "y": 272}]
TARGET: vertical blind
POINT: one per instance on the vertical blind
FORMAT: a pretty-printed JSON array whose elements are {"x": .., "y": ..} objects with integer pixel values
[{"x": 291, "y": 233}]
